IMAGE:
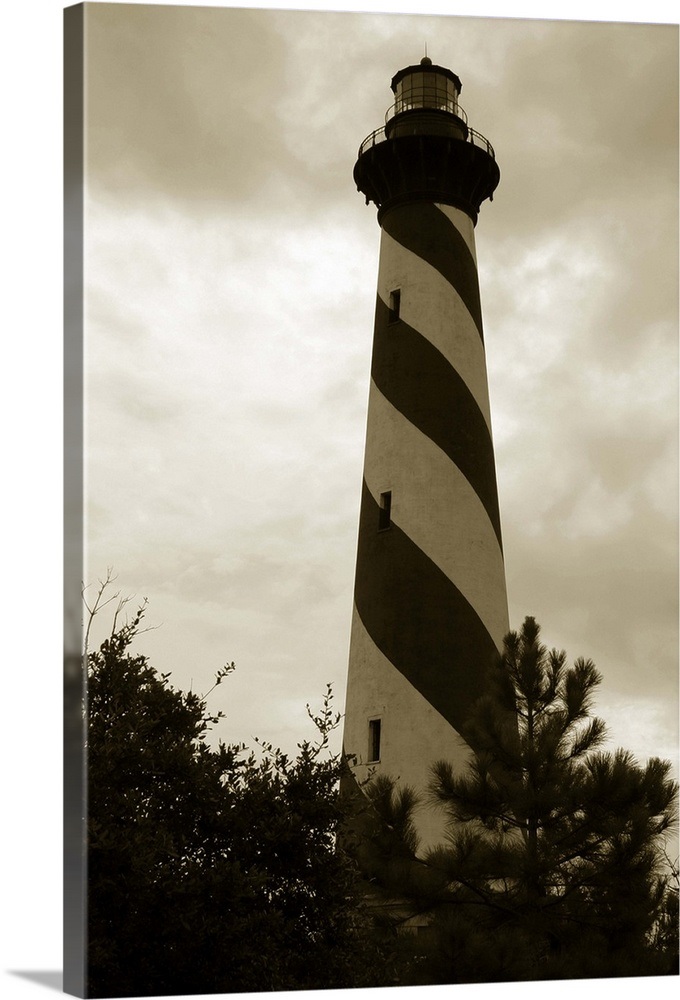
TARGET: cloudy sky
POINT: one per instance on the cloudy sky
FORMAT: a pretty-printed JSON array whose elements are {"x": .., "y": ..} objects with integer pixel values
[{"x": 231, "y": 270}]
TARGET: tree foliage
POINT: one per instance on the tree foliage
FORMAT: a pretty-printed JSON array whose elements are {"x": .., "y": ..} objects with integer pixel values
[
  {"x": 213, "y": 870},
  {"x": 554, "y": 864},
  {"x": 209, "y": 870}
]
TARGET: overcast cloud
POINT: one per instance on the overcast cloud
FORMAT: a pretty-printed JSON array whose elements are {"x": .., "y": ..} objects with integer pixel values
[{"x": 230, "y": 294}]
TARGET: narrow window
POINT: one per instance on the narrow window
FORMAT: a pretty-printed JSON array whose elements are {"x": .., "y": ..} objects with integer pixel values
[
  {"x": 395, "y": 305},
  {"x": 374, "y": 740},
  {"x": 385, "y": 515}
]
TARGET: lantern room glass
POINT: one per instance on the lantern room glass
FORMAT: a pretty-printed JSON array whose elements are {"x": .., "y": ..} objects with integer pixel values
[{"x": 426, "y": 90}]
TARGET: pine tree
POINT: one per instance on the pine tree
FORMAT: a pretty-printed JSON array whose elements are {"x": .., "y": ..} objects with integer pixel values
[
  {"x": 554, "y": 864},
  {"x": 559, "y": 841}
]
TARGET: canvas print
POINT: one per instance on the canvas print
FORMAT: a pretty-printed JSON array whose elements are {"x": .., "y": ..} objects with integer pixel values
[{"x": 371, "y": 500}]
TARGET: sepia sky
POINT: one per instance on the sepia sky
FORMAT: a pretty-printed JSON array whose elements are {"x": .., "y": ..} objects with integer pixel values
[{"x": 231, "y": 272}]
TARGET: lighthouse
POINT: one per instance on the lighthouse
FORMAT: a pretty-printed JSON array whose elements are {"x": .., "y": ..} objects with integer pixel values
[{"x": 430, "y": 606}]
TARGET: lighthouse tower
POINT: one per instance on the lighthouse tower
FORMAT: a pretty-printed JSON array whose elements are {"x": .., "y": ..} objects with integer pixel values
[{"x": 430, "y": 606}]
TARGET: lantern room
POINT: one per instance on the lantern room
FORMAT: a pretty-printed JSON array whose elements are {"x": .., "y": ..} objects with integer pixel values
[
  {"x": 426, "y": 86},
  {"x": 426, "y": 150}
]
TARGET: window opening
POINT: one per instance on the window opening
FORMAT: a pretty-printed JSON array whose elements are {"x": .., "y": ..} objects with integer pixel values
[
  {"x": 385, "y": 516},
  {"x": 395, "y": 305},
  {"x": 374, "y": 728}
]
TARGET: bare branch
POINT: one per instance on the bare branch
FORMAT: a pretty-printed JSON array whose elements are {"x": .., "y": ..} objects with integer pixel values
[{"x": 98, "y": 603}]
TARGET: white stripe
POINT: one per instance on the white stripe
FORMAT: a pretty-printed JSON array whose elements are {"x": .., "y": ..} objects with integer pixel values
[
  {"x": 414, "y": 735},
  {"x": 435, "y": 505},
  {"x": 432, "y": 306}
]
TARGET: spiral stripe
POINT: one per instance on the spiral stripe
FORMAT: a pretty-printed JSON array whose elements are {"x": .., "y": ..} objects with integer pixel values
[
  {"x": 463, "y": 224},
  {"x": 413, "y": 731},
  {"x": 449, "y": 326},
  {"x": 431, "y": 235},
  {"x": 422, "y": 384},
  {"x": 426, "y": 488},
  {"x": 419, "y": 619}
]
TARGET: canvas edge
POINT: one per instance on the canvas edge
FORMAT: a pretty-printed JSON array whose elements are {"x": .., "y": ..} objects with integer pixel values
[{"x": 74, "y": 859}]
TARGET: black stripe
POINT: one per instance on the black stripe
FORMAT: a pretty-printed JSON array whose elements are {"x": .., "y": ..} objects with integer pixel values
[
  {"x": 419, "y": 619},
  {"x": 426, "y": 231},
  {"x": 418, "y": 380}
]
